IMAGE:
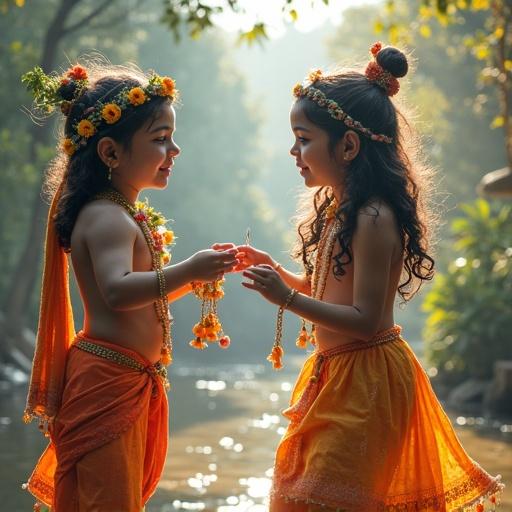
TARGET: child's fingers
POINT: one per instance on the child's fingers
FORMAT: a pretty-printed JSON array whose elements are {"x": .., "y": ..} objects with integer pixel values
[
  {"x": 262, "y": 270},
  {"x": 249, "y": 285},
  {"x": 255, "y": 277},
  {"x": 223, "y": 246}
]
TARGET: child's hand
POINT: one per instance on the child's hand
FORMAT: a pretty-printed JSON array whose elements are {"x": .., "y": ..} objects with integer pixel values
[
  {"x": 268, "y": 282},
  {"x": 226, "y": 247},
  {"x": 209, "y": 265},
  {"x": 249, "y": 256}
]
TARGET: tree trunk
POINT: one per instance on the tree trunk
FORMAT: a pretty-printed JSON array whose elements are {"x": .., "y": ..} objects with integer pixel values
[{"x": 27, "y": 270}]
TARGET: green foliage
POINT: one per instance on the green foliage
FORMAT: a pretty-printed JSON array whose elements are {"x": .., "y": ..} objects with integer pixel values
[
  {"x": 43, "y": 87},
  {"x": 470, "y": 305}
]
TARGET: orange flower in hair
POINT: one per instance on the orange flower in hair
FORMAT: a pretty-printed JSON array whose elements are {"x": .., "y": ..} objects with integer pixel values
[
  {"x": 77, "y": 73},
  {"x": 376, "y": 48},
  {"x": 315, "y": 75},
  {"x": 68, "y": 146},
  {"x": 297, "y": 89},
  {"x": 136, "y": 96},
  {"x": 85, "y": 128},
  {"x": 168, "y": 86},
  {"x": 111, "y": 113}
]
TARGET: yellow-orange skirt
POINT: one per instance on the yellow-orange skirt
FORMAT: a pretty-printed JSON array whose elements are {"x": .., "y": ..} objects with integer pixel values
[{"x": 368, "y": 434}]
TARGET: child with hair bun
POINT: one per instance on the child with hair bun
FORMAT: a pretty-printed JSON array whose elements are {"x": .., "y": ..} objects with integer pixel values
[{"x": 366, "y": 432}]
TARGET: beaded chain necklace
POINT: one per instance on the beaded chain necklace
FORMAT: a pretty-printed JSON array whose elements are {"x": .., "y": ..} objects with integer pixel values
[
  {"x": 320, "y": 271},
  {"x": 148, "y": 222}
]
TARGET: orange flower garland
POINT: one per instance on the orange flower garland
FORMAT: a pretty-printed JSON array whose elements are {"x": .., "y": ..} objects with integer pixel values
[{"x": 209, "y": 328}]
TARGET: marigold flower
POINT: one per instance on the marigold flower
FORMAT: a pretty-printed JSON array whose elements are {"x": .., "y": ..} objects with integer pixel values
[
  {"x": 168, "y": 86},
  {"x": 111, "y": 113},
  {"x": 199, "y": 331},
  {"x": 165, "y": 357},
  {"x": 166, "y": 258},
  {"x": 168, "y": 237},
  {"x": 77, "y": 72},
  {"x": 315, "y": 75},
  {"x": 85, "y": 128},
  {"x": 297, "y": 90},
  {"x": 198, "y": 344},
  {"x": 302, "y": 340},
  {"x": 136, "y": 96},
  {"x": 68, "y": 146},
  {"x": 275, "y": 357}
]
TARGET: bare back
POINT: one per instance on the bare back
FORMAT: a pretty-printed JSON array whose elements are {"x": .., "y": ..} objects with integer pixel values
[
  {"x": 107, "y": 244},
  {"x": 370, "y": 265}
]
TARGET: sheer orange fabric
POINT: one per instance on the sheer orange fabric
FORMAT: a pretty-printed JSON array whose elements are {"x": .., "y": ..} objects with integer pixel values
[
  {"x": 112, "y": 425},
  {"x": 56, "y": 329},
  {"x": 368, "y": 434}
]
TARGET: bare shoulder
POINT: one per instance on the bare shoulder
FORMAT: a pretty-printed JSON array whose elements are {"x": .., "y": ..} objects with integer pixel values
[
  {"x": 377, "y": 228},
  {"x": 377, "y": 215},
  {"x": 103, "y": 219}
]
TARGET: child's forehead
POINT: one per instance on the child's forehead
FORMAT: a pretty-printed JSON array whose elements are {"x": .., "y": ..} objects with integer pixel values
[
  {"x": 163, "y": 118},
  {"x": 298, "y": 118}
]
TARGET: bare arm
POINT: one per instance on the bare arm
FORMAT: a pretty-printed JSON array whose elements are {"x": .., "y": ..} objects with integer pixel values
[
  {"x": 110, "y": 237},
  {"x": 373, "y": 245},
  {"x": 179, "y": 293}
]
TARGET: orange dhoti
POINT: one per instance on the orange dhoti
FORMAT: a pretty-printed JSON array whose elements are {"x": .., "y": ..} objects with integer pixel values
[
  {"x": 109, "y": 438},
  {"x": 368, "y": 434}
]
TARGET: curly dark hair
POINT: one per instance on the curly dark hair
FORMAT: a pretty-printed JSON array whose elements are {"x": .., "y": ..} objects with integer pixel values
[
  {"x": 84, "y": 174},
  {"x": 393, "y": 173}
]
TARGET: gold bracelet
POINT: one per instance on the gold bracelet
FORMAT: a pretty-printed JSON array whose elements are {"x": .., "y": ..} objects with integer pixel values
[{"x": 289, "y": 298}]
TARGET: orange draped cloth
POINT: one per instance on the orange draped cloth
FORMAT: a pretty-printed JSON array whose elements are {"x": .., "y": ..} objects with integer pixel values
[
  {"x": 367, "y": 434},
  {"x": 109, "y": 438}
]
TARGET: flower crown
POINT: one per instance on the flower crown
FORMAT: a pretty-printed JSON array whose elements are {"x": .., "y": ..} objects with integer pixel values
[
  {"x": 334, "y": 110},
  {"x": 49, "y": 91},
  {"x": 376, "y": 73}
]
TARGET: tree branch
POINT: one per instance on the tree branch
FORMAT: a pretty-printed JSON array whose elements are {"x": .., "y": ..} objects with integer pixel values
[{"x": 86, "y": 19}]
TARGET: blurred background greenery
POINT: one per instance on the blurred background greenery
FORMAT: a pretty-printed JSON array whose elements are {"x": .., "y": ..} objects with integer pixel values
[
  {"x": 235, "y": 68},
  {"x": 235, "y": 62}
]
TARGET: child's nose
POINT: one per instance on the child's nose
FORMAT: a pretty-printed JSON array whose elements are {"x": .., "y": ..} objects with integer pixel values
[
  {"x": 174, "y": 150},
  {"x": 293, "y": 150}
]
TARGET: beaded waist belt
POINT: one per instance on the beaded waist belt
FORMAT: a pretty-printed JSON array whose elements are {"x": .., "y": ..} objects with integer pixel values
[
  {"x": 386, "y": 336},
  {"x": 392, "y": 334},
  {"x": 157, "y": 369}
]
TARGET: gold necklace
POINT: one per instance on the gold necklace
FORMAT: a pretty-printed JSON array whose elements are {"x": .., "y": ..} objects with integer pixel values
[
  {"x": 321, "y": 270},
  {"x": 161, "y": 304}
]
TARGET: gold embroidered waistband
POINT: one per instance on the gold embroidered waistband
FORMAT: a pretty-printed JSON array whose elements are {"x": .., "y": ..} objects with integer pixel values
[
  {"x": 157, "y": 369},
  {"x": 386, "y": 336},
  {"x": 391, "y": 334}
]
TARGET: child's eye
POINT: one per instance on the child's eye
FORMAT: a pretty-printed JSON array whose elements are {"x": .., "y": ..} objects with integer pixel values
[
  {"x": 302, "y": 140},
  {"x": 161, "y": 139}
]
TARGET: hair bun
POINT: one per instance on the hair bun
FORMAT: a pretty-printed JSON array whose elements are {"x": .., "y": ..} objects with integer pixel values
[
  {"x": 67, "y": 90},
  {"x": 393, "y": 60}
]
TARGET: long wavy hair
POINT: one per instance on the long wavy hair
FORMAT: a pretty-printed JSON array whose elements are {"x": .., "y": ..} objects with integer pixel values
[
  {"x": 84, "y": 174},
  {"x": 393, "y": 173}
]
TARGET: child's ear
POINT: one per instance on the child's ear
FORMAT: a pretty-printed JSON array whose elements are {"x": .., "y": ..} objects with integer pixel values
[
  {"x": 107, "y": 151},
  {"x": 351, "y": 145}
]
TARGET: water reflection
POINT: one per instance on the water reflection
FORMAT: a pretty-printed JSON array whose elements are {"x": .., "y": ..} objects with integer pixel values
[{"x": 225, "y": 425}]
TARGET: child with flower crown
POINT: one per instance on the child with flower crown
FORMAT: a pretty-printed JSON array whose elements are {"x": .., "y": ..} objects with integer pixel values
[
  {"x": 366, "y": 432},
  {"x": 100, "y": 394}
]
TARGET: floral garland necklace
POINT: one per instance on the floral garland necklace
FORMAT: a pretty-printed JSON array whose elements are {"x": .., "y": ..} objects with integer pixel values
[
  {"x": 152, "y": 225},
  {"x": 209, "y": 329}
]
